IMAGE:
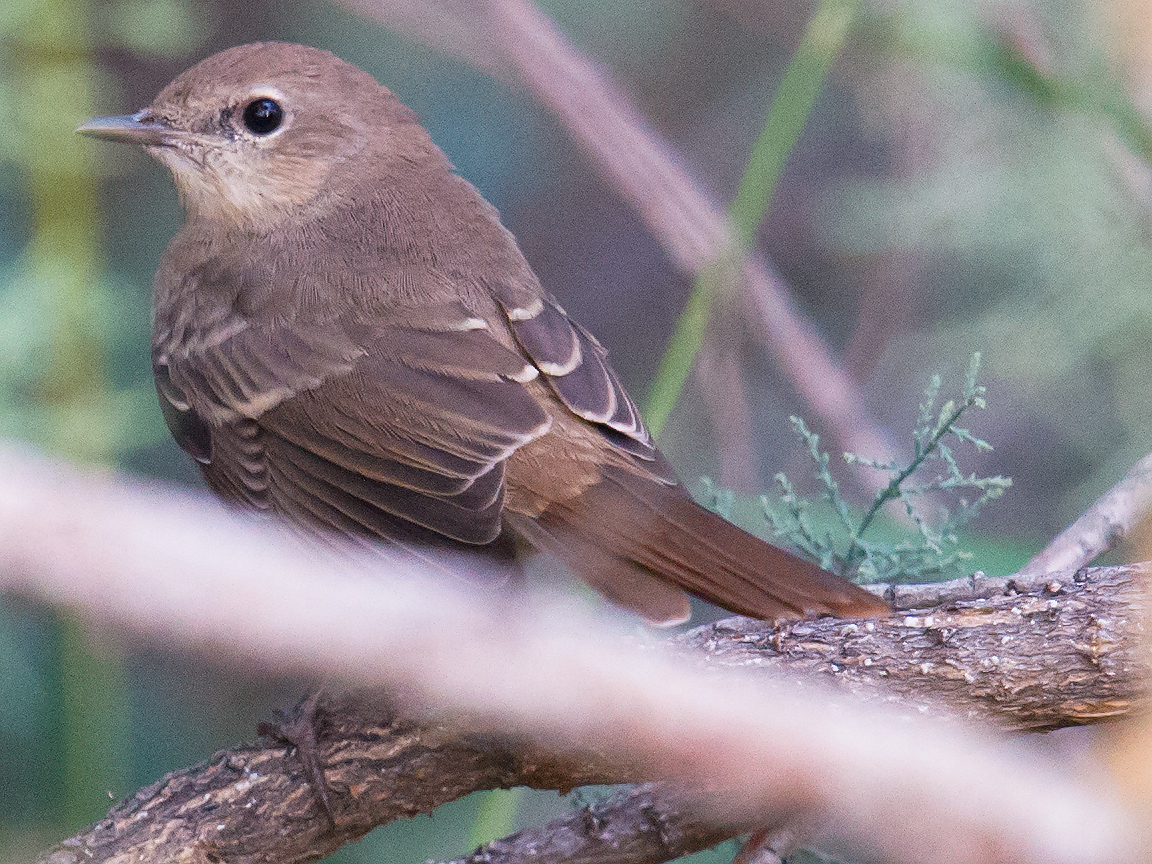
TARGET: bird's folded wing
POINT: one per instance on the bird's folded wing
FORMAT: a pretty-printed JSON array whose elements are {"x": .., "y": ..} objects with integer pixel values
[
  {"x": 385, "y": 428},
  {"x": 575, "y": 366}
]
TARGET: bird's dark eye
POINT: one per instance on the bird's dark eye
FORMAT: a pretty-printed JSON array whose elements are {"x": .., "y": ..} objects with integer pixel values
[{"x": 263, "y": 116}]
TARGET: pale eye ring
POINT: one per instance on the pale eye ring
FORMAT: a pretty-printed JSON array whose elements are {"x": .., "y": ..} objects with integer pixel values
[{"x": 263, "y": 116}]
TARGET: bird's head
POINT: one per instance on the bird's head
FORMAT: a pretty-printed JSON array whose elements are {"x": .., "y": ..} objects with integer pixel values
[{"x": 259, "y": 132}]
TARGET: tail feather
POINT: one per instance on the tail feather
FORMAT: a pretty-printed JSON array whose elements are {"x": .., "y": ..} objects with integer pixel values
[
  {"x": 627, "y": 523},
  {"x": 629, "y": 585}
]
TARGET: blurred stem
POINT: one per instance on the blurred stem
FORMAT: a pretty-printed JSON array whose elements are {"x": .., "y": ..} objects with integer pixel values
[
  {"x": 62, "y": 264},
  {"x": 804, "y": 78},
  {"x": 1104, "y": 95},
  {"x": 1012, "y": 59},
  {"x": 496, "y": 815}
]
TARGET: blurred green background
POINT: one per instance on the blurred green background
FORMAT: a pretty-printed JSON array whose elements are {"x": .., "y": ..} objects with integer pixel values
[{"x": 974, "y": 176}]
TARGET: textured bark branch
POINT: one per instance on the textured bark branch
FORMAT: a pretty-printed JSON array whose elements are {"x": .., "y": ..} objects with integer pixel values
[
  {"x": 253, "y": 805},
  {"x": 647, "y": 825},
  {"x": 566, "y": 695},
  {"x": 1068, "y": 651},
  {"x": 1021, "y": 653}
]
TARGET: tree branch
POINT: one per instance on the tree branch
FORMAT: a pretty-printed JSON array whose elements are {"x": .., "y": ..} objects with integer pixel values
[
  {"x": 550, "y": 683},
  {"x": 1021, "y": 653},
  {"x": 253, "y": 804},
  {"x": 238, "y": 806},
  {"x": 649, "y": 824},
  {"x": 1110, "y": 519}
]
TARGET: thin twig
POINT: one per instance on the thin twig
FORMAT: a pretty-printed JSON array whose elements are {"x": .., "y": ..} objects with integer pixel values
[
  {"x": 771, "y": 845},
  {"x": 1109, "y": 520}
]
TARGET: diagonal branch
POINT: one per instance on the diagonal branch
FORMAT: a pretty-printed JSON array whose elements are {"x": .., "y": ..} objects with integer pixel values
[{"x": 1111, "y": 518}]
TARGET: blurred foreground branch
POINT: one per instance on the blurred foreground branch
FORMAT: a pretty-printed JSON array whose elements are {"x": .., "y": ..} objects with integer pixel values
[
  {"x": 238, "y": 805},
  {"x": 542, "y": 693}
]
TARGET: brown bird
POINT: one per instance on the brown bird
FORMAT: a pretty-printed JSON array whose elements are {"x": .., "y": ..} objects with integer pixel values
[{"x": 346, "y": 335}]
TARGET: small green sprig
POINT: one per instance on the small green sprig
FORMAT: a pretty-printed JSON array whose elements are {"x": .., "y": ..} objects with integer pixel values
[{"x": 842, "y": 546}]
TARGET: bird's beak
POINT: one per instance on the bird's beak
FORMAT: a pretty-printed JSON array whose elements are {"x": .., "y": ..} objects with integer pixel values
[{"x": 140, "y": 128}]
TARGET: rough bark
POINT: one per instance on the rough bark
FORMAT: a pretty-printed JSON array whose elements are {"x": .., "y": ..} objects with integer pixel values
[
  {"x": 646, "y": 824},
  {"x": 253, "y": 804},
  {"x": 1019, "y": 654}
]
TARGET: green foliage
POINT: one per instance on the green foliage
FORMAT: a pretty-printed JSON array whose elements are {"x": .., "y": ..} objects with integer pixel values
[
  {"x": 1025, "y": 204},
  {"x": 495, "y": 816},
  {"x": 931, "y": 476},
  {"x": 62, "y": 318},
  {"x": 61, "y": 321}
]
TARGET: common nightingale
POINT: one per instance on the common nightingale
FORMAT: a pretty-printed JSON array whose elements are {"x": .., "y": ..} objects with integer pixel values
[{"x": 347, "y": 336}]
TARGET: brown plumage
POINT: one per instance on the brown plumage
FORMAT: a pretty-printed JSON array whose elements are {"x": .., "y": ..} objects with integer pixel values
[{"x": 347, "y": 335}]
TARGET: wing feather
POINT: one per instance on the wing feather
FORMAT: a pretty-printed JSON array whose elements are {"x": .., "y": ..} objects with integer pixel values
[
  {"x": 576, "y": 367},
  {"x": 472, "y": 517},
  {"x": 380, "y": 428}
]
